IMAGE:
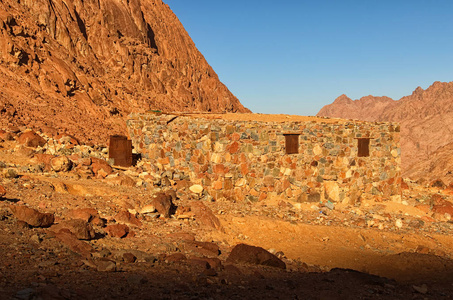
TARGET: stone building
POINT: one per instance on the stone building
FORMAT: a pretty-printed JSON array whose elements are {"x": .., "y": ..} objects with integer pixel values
[{"x": 302, "y": 159}]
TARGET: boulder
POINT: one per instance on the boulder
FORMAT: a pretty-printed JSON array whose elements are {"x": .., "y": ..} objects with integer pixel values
[
  {"x": 73, "y": 243},
  {"x": 246, "y": 254},
  {"x": 163, "y": 204},
  {"x": 80, "y": 228},
  {"x": 61, "y": 164},
  {"x": 85, "y": 214},
  {"x": 204, "y": 215},
  {"x": 31, "y": 139},
  {"x": 32, "y": 217},
  {"x": 126, "y": 217},
  {"x": 117, "y": 230}
]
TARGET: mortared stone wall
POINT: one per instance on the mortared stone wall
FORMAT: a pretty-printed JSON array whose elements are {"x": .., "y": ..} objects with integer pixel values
[{"x": 242, "y": 160}]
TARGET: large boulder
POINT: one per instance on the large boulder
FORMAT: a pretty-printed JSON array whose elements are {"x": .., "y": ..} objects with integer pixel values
[
  {"x": 31, "y": 139},
  {"x": 32, "y": 217},
  {"x": 246, "y": 254}
]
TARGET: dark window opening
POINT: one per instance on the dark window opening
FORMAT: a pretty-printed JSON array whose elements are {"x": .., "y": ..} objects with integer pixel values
[
  {"x": 292, "y": 143},
  {"x": 363, "y": 145}
]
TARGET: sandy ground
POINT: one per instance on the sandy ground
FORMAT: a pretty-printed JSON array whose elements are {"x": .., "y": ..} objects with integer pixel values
[{"x": 372, "y": 251}]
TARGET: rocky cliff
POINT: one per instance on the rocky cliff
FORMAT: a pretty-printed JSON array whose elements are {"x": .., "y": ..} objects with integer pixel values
[
  {"x": 426, "y": 119},
  {"x": 81, "y": 66}
]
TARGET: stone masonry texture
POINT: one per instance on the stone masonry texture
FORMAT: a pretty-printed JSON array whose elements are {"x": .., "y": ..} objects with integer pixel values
[{"x": 243, "y": 160}]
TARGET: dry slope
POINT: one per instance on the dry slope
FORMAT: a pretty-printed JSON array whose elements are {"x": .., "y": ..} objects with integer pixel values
[
  {"x": 81, "y": 66},
  {"x": 426, "y": 119}
]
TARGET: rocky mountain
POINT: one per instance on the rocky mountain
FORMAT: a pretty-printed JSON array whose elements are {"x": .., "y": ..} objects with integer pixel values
[
  {"x": 426, "y": 119},
  {"x": 82, "y": 66}
]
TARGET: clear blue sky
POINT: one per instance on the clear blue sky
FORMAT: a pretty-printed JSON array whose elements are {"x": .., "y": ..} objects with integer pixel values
[{"x": 296, "y": 56}]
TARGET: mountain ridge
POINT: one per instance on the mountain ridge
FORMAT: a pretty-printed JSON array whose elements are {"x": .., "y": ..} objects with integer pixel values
[
  {"x": 425, "y": 117},
  {"x": 82, "y": 66}
]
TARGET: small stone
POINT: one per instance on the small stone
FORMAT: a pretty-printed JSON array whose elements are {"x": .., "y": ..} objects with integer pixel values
[
  {"x": 399, "y": 223},
  {"x": 10, "y": 173},
  {"x": 2, "y": 191},
  {"x": 26, "y": 294},
  {"x": 422, "y": 289},
  {"x": 196, "y": 188},
  {"x": 147, "y": 209}
]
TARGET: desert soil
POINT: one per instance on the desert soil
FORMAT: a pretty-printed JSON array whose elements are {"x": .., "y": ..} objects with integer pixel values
[{"x": 372, "y": 250}]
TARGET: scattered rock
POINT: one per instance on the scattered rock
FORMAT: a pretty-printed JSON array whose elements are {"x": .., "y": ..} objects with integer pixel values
[
  {"x": 85, "y": 214},
  {"x": 98, "y": 165},
  {"x": 126, "y": 217},
  {"x": 196, "y": 188},
  {"x": 117, "y": 230},
  {"x": 163, "y": 204},
  {"x": 80, "y": 228},
  {"x": 73, "y": 243},
  {"x": 247, "y": 254},
  {"x": 129, "y": 258},
  {"x": 10, "y": 173},
  {"x": 105, "y": 266},
  {"x": 205, "y": 215},
  {"x": 175, "y": 257},
  {"x": 31, "y": 139},
  {"x": 147, "y": 209},
  {"x": 203, "y": 248},
  {"x": 422, "y": 289},
  {"x": 61, "y": 164},
  {"x": 32, "y": 217}
]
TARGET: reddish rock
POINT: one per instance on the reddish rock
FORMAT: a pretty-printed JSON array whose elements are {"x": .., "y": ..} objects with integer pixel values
[
  {"x": 6, "y": 136},
  {"x": 232, "y": 269},
  {"x": 67, "y": 139},
  {"x": 199, "y": 262},
  {"x": 175, "y": 257},
  {"x": 443, "y": 209},
  {"x": 80, "y": 228},
  {"x": 31, "y": 139},
  {"x": 246, "y": 254},
  {"x": 163, "y": 204},
  {"x": 234, "y": 147},
  {"x": 73, "y": 243},
  {"x": 126, "y": 217},
  {"x": 32, "y": 217},
  {"x": 117, "y": 230},
  {"x": 99, "y": 165},
  {"x": 85, "y": 214},
  {"x": 61, "y": 164},
  {"x": 214, "y": 263},
  {"x": 45, "y": 159},
  {"x": 204, "y": 215},
  {"x": 2, "y": 191},
  {"x": 129, "y": 258},
  {"x": 203, "y": 248},
  {"x": 90, "y": 102}
]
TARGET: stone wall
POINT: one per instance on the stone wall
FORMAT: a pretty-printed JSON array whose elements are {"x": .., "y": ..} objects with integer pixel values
[{"x": 242, "y": 160}]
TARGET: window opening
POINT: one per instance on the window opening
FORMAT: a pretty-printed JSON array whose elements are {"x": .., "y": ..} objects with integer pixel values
[
  {"x": 291, "y": 143},
  {"x": 363, "y": 145}
]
